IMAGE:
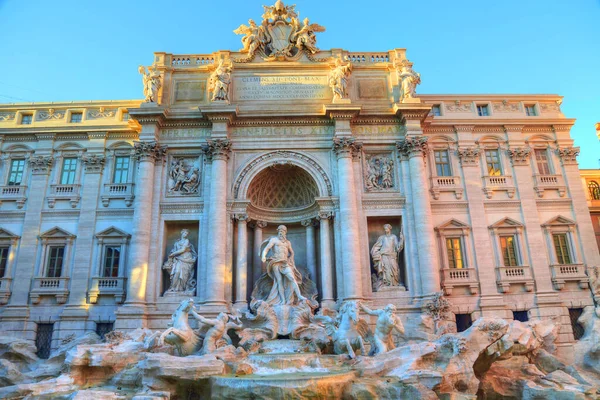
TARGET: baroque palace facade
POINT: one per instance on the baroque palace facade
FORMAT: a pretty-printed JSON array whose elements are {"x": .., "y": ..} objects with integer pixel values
[{"x": 483, "y": 191}]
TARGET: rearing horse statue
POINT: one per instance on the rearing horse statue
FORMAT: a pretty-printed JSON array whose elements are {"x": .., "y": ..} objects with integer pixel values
[
  {"x": 348, "y": 330},
  {"x": 179, "y": 333}
]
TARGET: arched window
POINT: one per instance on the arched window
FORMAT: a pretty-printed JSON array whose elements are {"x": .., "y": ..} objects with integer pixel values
[{"x": 594, "y": 189}]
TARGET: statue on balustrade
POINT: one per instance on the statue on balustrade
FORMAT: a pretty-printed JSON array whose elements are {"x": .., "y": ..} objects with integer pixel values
[
  {"x": 180, "y": 265},
  {"x": 338, "y": 79},
  {"x": 387, "y": 321},
  {"x": 385, "y": 258},
  {"x": 152, "y": 83},
  {"x": 219, "y": 82},
  {"x": 409, "y": 79}
]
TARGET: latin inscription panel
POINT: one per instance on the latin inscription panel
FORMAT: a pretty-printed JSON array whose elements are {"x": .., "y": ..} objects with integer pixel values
[{"x": 288, "y": 87}]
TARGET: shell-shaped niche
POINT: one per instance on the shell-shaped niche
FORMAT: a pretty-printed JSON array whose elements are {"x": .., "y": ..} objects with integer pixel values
[{"x": 282, "y": 187}]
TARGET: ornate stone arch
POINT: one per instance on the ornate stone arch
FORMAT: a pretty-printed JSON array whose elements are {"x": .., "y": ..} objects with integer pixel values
[{"x": 256, "y": 165}]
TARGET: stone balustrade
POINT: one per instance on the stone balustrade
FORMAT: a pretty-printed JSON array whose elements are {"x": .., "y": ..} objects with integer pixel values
[
  {"x": 506, "y": 276},
  {"x": 113, "y": 191},
  {"x": 14, "y": 193},
  {"x": 459, "y": 277},
  {"x": 549, "y": 182},
  {"x": 64, "y": 192},
  {"x": 4, "y": 290},
  {"x": 57, "y": 287},
  {"x": 562, "y": 273},
  {"x": 498, "y": 183},
  {"x": 110, "y": 286},
  {"x": 446, "y": 184}
]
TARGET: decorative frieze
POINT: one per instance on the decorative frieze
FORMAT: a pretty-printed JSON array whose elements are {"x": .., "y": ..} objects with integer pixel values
[
  {"x": 413, "y": 146},
  {"x": 219, "y": 149},
  {"x": 7, "y": 117},
  {"x": 549, "y": 107},
  {"x": 93, "y": 163},
  {"x": 458, "y": 107},
  {"x": 379, "y": 172},
  {"x": 101, "y": 113},
  {"x": 506, "y": 106},
  {"x": 40, "y": 164},
  {"x": 568, "y": 155},
  {"x": 519, "y": 155},
  {"x": 346, "y": 146},
  {"x": 468, "y": 156},
  {"x": 50, "y": 114},
  {"x": 149, "y": 151}
]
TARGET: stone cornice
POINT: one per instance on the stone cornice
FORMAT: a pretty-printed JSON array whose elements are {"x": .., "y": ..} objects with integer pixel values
[
  {"x": 148, "y": 115},
  {"x": 219, "y": 113},
  {"x": 407, "y": 111},
  {"x": 341, "y": 111},
  {"x": 513, "y": 128},
  {"x": 250, "y": 122},
  {"x": 464, "y": 128}
]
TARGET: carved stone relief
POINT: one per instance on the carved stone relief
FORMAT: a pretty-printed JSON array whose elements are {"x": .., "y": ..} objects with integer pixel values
[
  {"x": 505, "y": 106},
  {"x": 519, "y": 156},
  {"x": 458, "y": 107},
  {"x": 378, "y": 172},
  {"x": 102, "y": 113},
  {"x": 7, "y": 116},
  {"x": 568, "y": 155},
  {"x": 51, "y": 114},
  {"x": 183, "y": 176}
]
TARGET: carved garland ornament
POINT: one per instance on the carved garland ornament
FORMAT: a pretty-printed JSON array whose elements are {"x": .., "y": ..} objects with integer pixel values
[
  {"x": 94, "y": 163},
  {"x": 149, "y": 151},
  {"x": 51, "y": 114},
  {"x": 284, "y": 155},
  {"x": 40, "y": 164},
  {"x": 413, "y": 146},
  {"x": 519, "y": 156},
  {"x": 469, "y": 156}
]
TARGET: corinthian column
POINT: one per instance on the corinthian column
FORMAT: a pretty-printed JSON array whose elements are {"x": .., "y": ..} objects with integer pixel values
[
  {"x": 345, "y": 147},
  {"x": 326, "y": 273},
  {"x": 147, "y": 154},
  {"x": 241, "y": 265},
  {"x": 217, "y": 223},
  {"x": 415, "y": 148}
]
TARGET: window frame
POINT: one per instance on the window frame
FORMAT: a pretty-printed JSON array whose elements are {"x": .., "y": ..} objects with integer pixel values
[
  {"x": 595, "y": 189},
  {"x": 562, "y": 251},
  {"x": 50, "y": 257},
  {"x": 454, "y": 228},
  {"x": 71, "y": 173},
  {"x": 515, "y": 250},
  {"x": 453, "y": 250},
  {"x": 70, "y": 113},
  {"x": 448, "y": 162},
  {"x": 56, "y": 237},
  {"x": 437, "y": 107},
  {"x": 487, "y": 164},
  {"x": 504, "y": 228},
  {"x": 562, "y": 225},
  {"x": 548, "y": 161},
  {"x": 532, "y": 107},
  {"x": 115, "y": 169},
  {"x": 111, "y": 237},
  {"x": 10, "y": 240},
  {"x": 10, "y": 171},
  {"x": 483, "y": 106}
]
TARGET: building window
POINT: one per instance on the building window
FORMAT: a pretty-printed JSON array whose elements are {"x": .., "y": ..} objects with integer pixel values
[
  {"x": 125, "y": 116},
  {"x": 541, "y": 158},
  {"x": 574, "y": 314},
  {"x": 69, "y": 167},
  {"x": 102, "y": 328},
  {"x": 121, "y": 169},
  {"x": 436, "y": 110},
  {"x": 455, "y": 252},
  {"x": 17, "y": 167},
  {"x": 482, "y": 110},
  {"x": 43, "y": 340},
  {"x": 520, "y": 316},
  {"x": 509, "y": 251},
  {"x": 442, "y": 163},
  {"x": 594, "y": 190},
  {"x": 54, "y": 265},
  {"x": 26, "y": 119},
  {"x": 112, "y": 256},
  {"x": 76, "y": 117},
  {"x": 561, "y": 246},
  {"x": 530, "y": 110},
  {"x": 3, "y": 260},
  {"x": 492, "y": 158},
  {"x": 463, "y": 322}
]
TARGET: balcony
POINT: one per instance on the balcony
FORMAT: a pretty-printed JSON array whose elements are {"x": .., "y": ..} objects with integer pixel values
[
  {"x": 498, "y": 183},
  {"x": 520, "y": 275},
  {"x": 107, "y": 286},
  {"x": 4, "y": 290},
  {"x": 57, "y": 287},
  {"x": 569, "y": 273},
  {"x": 13, "y": 193},
  {"x": 459, "y": 277},
  {"x": 64, "y": 192},
  {"x": 114, "y": 191},
  {"x": 549, "y": 182},
  {"x": 446, "y": 184}
]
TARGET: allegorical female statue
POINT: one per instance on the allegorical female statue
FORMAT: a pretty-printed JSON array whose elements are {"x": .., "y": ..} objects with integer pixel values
[
  {"x": 385, "y": 257},
  {"x": 152, "y": 84},
  {"x": 219, "y": 82},
  {"x": 180, "y": 265},
  {"x": 409, "y": 79},
  {"x": 338, "y": 79}
]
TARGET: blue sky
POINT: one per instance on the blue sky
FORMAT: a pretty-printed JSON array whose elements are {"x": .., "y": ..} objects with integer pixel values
[{"x": 89, "y": 50}]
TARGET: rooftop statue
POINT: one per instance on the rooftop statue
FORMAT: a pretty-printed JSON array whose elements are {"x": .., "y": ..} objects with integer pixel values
[
  {"x": 219, "y": 82},
  {"x": 152, "y": 83},
  {"x": 338, "y": 79},
  {"x": 409, "y": 79},
  {"x": 305, "y": 36}
]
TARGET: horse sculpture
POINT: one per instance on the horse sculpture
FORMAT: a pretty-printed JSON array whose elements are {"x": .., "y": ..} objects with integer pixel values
[
  {"x": 347, "y": 330},
  {"x": 179, "y": 333}
]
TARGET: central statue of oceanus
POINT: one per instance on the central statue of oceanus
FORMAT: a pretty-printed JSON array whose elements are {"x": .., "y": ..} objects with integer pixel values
[{"x": 282, "y": 284}]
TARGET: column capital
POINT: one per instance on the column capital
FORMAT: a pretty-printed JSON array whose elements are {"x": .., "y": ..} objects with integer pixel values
[
  {"x": 346, "y": 146},
  {"x": 93, "y": 163},
  {"x": 413, "y": 146},
  {"x": 241, "y": 217},
  {"x": 307, "y": 222},
  {"x": 218, "y": 149},
  {"x": 519, "y": 155},
  {"x": 469, "y": 156},
  {"x": 325, "y": 214},
  {"x": 568, "y": 155},
  {"x": 149, "y": 151},
  {"x": 40, "y": 165}
]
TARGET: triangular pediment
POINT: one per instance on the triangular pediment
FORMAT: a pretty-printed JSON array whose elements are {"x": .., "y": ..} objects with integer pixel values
[
  {"x": 506, "y": 223},
  {"x": 453, "y": 224},
  {"x": 56, "y": 232},
  {"x": 6, "y": 234},
  {"x": 112, "y": 232},
  {"x": 559, "y": 220}
]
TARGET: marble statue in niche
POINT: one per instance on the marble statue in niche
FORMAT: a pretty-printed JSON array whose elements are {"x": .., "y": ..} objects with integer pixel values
[
  {"x": 281, "y": 268},
  {"x": 379, "y": 173},
  {"x": 219, "y": 81},
  {"x": 184, "y": 177},
  {"x": 385, "y": 258},
  {"x": 180, "y": 265},
  {"x": 409, "y": 79},
  {"x": 338, "y": 79},
  {"x": 152, "y": 83}
]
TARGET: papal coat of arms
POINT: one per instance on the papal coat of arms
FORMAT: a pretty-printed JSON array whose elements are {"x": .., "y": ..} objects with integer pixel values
[{"x": 280, "y": 36}]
